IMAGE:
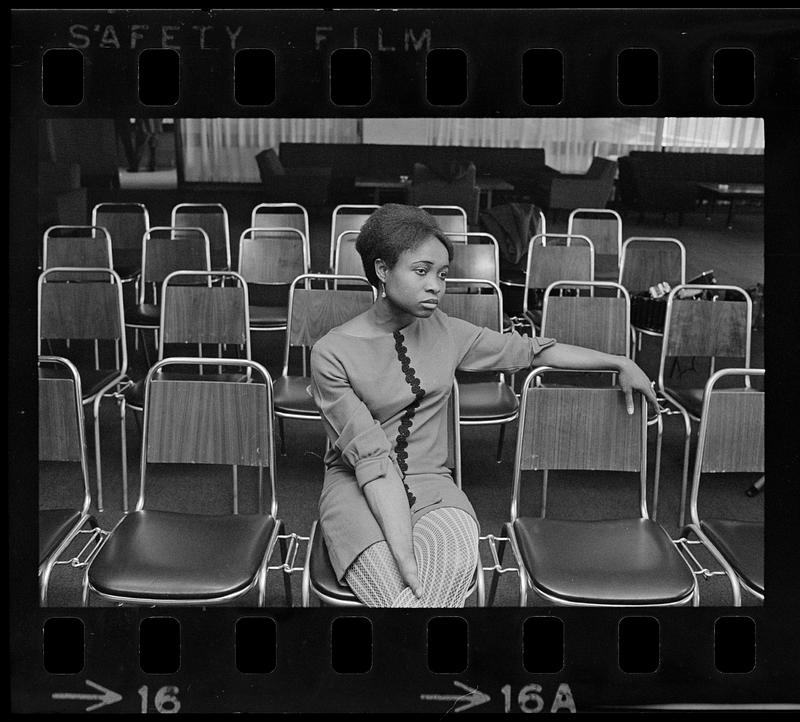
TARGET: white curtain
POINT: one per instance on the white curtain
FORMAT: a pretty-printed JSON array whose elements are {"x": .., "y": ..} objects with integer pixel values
[
  {"x": 733, "y": 135},
  {"x": 224, "y": 149}
]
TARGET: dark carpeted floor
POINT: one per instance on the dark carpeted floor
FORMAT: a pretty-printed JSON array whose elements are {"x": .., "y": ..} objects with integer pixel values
[{"x": 736, "y": 256}]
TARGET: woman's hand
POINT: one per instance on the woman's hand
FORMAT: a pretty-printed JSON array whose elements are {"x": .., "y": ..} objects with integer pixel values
[{"x": 631, "y": 378}]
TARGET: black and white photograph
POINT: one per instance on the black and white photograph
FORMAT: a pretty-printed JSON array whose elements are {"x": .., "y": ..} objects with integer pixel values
[{"x": 340, "y": 315}]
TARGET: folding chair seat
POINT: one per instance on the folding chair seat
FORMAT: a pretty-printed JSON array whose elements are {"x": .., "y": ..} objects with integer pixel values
[
  {"x": 705, "y": 330},
  {"x": 62, "y": 439},
  {"x": 312, "y": 313},
  {"x": 730, "y": 439},
  {"x": 347, "y": 218},
  {"x": 213, "y": 219},
  {"x": 77, "y": 247},
  {"x": 126, "y": 223},
  {"x": 604, "y": 228},
  {"x": 319, "y": 576},
  {"x": 74, "y": 312},
  {"x": 483, "y": 401},
  {"x": 197, "y": 316},
  {"x": 627, "y": 560},
  {"x": 269, "y": 260},
  {"x": 185, "y": 556},
  {"x": 554, "y": 257}
]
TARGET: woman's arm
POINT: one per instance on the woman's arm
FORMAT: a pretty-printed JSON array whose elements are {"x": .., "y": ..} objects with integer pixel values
[{"x": 631, "y": 378}]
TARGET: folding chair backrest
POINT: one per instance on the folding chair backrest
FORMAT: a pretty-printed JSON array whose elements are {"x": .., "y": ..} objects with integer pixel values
[
  {"x": 452, "y": 220},
  {"x": 481, "y": 309},
  {"x": 61, "y": 430},
  {"x": 696, "y": 327},
  {"x": 167, "y": 249},
  {"x": 579, "y": 429},
  {"x": 272, "y": 256},
  {"x": 200, "y": 421},
  {"x": 213, "y": 219},
  {"x": 205, "y": 314},
  {"x": 478, "y": 256},
  {"x": 347, "y": 218},
  {"x": 602, "y": 226},
  {"x": 77, "y": 247},
  {"x": 126, "y": 223},
  {"x": 346, "y": 259},
  {"x": 80, "y": 309},
  {"x": 597, "y": 322},
  {"x": 281, "y": 215},
  {"x": 648, "y": 261},
  {"x": 557, "y": 257},
  {"x": 731, "y": 436}
]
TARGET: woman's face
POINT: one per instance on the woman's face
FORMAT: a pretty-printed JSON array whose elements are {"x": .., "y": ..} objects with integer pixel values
[{"x": 415, "y": 283}]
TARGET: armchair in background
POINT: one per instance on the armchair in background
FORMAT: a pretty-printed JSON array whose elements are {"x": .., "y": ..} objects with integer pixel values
[
  {"x": 446, "y": 184},
  {"x": 307, "y": 186},
  {"x": 569, "y": 191}
]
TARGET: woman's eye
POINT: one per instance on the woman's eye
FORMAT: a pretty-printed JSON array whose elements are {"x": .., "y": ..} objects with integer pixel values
[
  {"x": 443, "y": 276},
  {"x": 421, "y": 271}
]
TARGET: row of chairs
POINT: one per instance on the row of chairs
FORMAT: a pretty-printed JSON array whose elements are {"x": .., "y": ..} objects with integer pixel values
[{"x": 187, "y": 557}]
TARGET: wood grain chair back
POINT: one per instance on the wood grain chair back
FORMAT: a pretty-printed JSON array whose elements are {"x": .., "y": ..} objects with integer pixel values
[
  {"x": 168, "y": 248},
  {"x": 346, "y": 259},
  {"x": 597, "y": 322},
  {"x": 205, "y": 314},
  {"x": 646, "y": 261},
  {"x": 477, "y": 256},
  {"x": 482, "y": 309},
  {"x": 556, "y": 257},
  {"x": 77, "y": 247},
  {"x": 315, "y": 311},
  {"x": 452, "y": 220},
  {"x": 272, "y": 256},
  {"x": 125, "y": 222},
  {"x": 347, "y": 218},
  {"x": 284, "y": 215},
  {"x": 61, "y": 428},
  {"x": 213, "y": 219},
  {"x": 602, "y": 226}
]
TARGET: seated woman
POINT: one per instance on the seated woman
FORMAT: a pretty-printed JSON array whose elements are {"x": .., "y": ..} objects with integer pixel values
[{"x": 398, "y": 530}]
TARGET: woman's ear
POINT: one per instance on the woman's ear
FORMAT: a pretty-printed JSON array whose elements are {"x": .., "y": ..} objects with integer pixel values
[{"x": 380, "y": 269}]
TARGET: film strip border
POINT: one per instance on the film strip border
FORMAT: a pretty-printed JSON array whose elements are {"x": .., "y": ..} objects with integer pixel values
[{"x": 399, "y": 63}]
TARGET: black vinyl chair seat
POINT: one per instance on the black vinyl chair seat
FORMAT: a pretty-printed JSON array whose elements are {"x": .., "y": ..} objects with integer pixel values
[
  {"x": 323, "y": 578},
  {"x": 198, "y": 556},
  {"x": 143, "y": 314},
  {"x": 742, "y": 544},
  {"x": 290, "y": 395},
  {"x": 690, "y": 399},
  {"x": 486, "y": 401},
  {"x": 624, "y": 561},
  {"x": 54, "y": 525},
  {"x": 267, "y": 316}
]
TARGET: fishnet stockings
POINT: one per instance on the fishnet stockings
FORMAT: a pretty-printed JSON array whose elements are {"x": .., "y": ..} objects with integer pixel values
[{"x": 446, "y": 549}]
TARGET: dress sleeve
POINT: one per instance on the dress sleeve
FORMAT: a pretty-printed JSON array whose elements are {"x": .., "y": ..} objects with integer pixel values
[
  {"x": 358, "y": 437},
  {"x": 482, "y": 349}
]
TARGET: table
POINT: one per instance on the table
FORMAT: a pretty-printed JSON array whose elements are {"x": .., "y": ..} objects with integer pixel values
[
  {"x": 486, "y": 185},
  {"x": 730, "y": 192}
]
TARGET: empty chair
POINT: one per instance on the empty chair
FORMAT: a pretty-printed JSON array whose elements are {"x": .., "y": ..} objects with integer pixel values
[
  {"x": 554, "y": 257},
  {"x": 604, "y": 228},
  {"x": 83, "y": 320},
  {"x": 319, "y": 576},
  {"x": 188, "y": 555},
  {"x": 164, "y": 249},
  {"x": 213, "y": 219},
  {"x": 483, "y": 401},
  {"x": 347, "y": 218},
  {"x": 215, "y": 313},
  {"x": 705, "y": 330},
  {"x": 269, "y": 260},
  {"x": 625, "y": 560},
  {"x": 126, "y": 223},
  {"x": 452, "y": 220},
  {"x": 77, "y": 247},
  {"x": 62, "y": 439},
  {"x": 312, "y": 313},
  {"x": 475, "y": 255},
  {"x": 730, "y": 439},
  {"x": 283, "y": 215},
  {"x": 446, "y": 184}
]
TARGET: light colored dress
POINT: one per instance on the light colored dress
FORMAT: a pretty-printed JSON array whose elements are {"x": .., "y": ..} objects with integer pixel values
[{"x": 383, "y": 400}]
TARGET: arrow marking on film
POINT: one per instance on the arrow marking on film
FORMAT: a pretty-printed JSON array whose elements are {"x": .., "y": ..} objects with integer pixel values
[
  {"x": 473, "y": 698},
  {"x": 105, "y": 697}
]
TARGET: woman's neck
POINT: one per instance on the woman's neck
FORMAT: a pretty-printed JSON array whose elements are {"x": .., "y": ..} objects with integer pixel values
[{"x": 389, "y": 318}]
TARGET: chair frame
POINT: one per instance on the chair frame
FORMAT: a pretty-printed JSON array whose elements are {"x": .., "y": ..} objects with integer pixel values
[
  {"x": 668, "y": 398},
  {"x": 260, "y": 578},
  {"x": 735, "y": 580},
  {"x": 120, "y": 351},
  {"x": 179, "y": 207},
  {"x": 103, "y": 238},
  {"x": 509, "y": 535},
  {"x": 483, "y": 239},
  {"x": 334, "y": 235},
  {"x": 99, "y": 209},
  {"x": 457, "y": 211},
  {"x": 47, "y": 565},
  {"x": 288, "y": 207},
  {"x": 124, "y": 402},
  {"x": 337, "y": 252},
  {"x": 575, "y": 214}
]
